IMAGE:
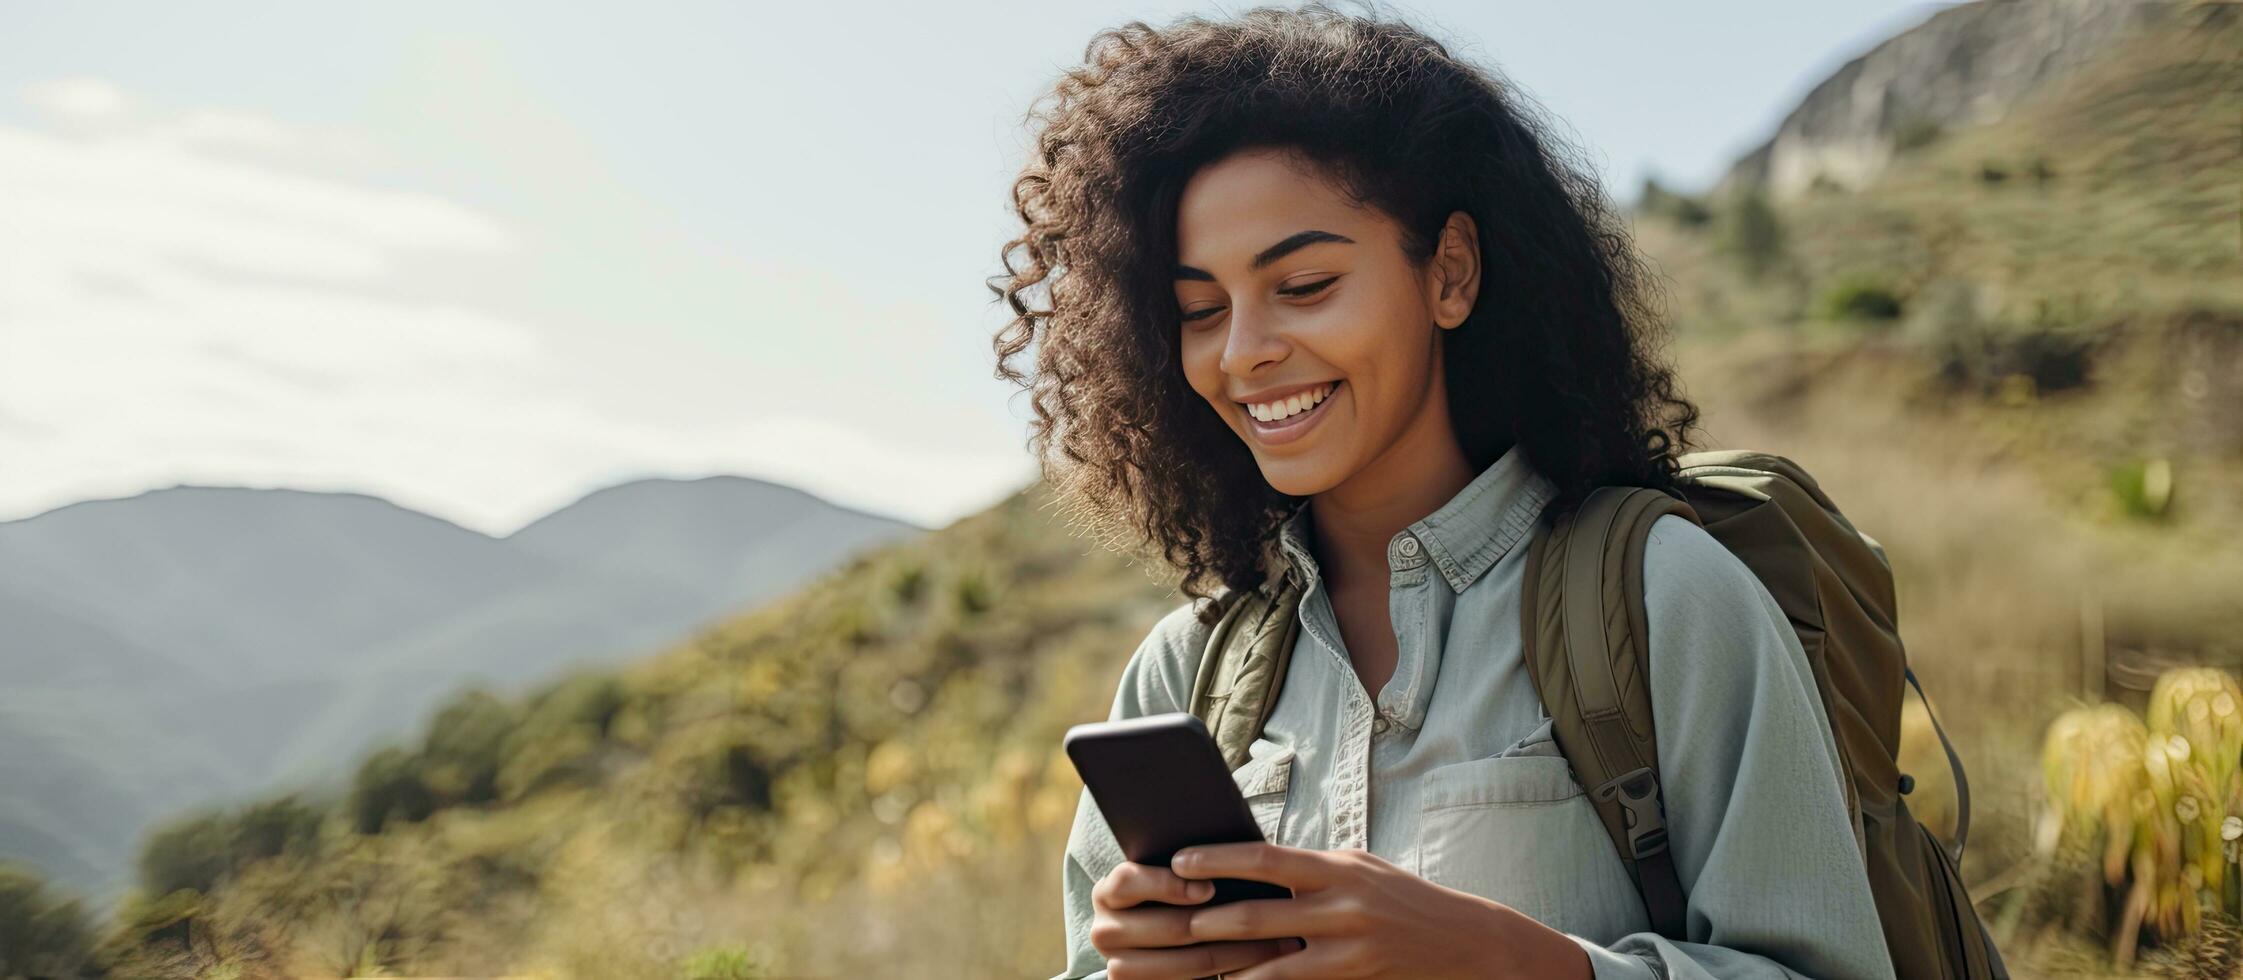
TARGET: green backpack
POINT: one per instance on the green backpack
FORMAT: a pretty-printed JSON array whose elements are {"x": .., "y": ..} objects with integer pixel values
[{"x": 1583, "y": 622}]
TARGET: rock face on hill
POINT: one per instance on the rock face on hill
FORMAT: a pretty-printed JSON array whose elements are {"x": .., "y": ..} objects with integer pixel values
[{"x": 1964, "y": 66}]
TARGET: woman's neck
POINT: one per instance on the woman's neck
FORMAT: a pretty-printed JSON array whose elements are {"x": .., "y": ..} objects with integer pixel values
[{"x": 1352, "y": 523}]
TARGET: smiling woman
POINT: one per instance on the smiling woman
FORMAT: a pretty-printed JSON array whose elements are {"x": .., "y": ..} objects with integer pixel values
[
  {"x": 1314, "y": 299},
  {"x": 1401, "y": 148}
]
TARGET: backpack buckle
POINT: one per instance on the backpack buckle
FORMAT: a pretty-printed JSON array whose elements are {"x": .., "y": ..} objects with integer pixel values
[{"x": 1638, "y": 793}]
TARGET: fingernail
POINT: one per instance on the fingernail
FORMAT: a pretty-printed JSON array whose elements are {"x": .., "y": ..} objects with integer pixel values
[{"x": 1200, "y": 891}]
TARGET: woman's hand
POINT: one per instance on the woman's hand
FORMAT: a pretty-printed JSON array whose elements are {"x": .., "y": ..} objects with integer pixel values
[
  {"x": 1156, "y": 943},
  {"x": 1364, "y": 917}
]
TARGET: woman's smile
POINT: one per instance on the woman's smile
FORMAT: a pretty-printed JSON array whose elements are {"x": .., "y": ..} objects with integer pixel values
[{"x": 1290, "y": 427}]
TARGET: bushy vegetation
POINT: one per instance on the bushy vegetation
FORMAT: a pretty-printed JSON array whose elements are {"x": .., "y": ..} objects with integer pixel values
[
  {"x": 1861, "y": 299},
  {"x": 2143, "y": 487},
  {"x": 42, "y": 934},
  {"x": 197, "y": 852},
  {"x": 1686, "y": 210},
  {"x": 1915, "y": 133},
  {"x": 2143, "y": 820},
  {"x": 1752, "y": 235},
  {"x": 726, "y": 964}
]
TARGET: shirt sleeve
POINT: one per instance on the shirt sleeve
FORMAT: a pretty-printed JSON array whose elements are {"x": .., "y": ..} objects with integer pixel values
[
  {"x": 1157, "y": 679},
  {"x": 1756, "y": 817}
]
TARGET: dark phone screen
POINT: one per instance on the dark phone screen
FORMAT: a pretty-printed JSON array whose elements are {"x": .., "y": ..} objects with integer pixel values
[{"x": 1162, "y": 785}]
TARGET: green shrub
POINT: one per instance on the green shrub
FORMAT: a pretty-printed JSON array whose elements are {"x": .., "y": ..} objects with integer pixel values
[
  {"x": 2143, "y": 487},
  {"x": 282, "y": 825},
  {"x": 2053, "y": 348},
  {"x": 1861, "y": 299},
  {"x": 1753, "y": 236},
  {"x": 41, "y": 934},
  {"x": 388, "y": 784},
  {"x": 198, "y": 851},
  {"x": 2054, "y": 359},
  {"x": 1682, "y": 209},
  {"x": 465, "y": 746},
  {"x": 589, "y": 699},
  {"x": 908, "y": 583},
  {"x": 733, "y": 775},
  {"x": 726, "y": 963},
  {"x": 147, "y": 919},
  {"x": 568, "y": 755},
  {"x": 974, "y": 593},
  {"x": 1915, "y": 133},
  {"x": 190, "y": 852}
]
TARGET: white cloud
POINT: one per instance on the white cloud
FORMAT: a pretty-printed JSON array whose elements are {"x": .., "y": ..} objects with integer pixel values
[
  {"x": 219, "y": 129},
  {"x": 184, "y": 299},
  {"x": 77, "y": 99}
]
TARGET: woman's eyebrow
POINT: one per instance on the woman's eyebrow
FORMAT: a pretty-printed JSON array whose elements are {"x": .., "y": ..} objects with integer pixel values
[{"x": 1292, "y": 243}]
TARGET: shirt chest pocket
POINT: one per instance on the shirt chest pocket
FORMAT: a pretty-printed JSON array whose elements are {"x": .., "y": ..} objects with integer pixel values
[
  {"x": 1518, "y": 829},
  {"x": 1265, "y": 780}
]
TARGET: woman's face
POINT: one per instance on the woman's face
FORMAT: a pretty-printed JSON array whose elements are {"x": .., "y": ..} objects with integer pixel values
[{"x": 1289, "y": 294}]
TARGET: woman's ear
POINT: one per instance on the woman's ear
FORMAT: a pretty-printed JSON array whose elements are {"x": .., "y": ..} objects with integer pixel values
[{"x": 1456, "y": 271}]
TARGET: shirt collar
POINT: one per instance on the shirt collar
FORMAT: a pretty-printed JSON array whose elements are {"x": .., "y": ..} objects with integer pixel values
[{"x": 1463, "y": 537}]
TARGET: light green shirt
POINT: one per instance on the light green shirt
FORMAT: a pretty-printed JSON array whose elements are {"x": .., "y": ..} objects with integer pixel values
[{"x": 1450, "y": 771}]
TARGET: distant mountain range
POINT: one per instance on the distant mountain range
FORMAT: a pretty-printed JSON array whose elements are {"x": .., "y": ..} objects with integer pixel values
[{"x": 194, "y": 644}]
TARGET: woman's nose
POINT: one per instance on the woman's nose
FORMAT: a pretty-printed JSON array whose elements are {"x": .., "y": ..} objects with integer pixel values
[{"x": 1252, "y": 340}]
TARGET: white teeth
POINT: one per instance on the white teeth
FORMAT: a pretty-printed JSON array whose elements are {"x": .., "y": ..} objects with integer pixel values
[{"x": 1287, "y": 407}]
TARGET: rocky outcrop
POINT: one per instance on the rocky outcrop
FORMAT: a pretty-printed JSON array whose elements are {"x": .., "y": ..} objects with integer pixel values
[{"x": 1964, "y": 66}]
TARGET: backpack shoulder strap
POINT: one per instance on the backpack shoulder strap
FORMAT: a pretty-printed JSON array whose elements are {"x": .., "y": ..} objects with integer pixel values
[
  {"x": 1584, "y": 633},
  {"x": 1243, "y": 667}
]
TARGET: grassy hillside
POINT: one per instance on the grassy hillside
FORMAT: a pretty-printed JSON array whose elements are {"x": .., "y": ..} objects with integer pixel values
[
  {"x": 802, "y": 785},
  {"x": 1984, "y": 371}
]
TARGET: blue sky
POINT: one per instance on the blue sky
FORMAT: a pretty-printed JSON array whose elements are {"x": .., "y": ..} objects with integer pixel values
[{"x": 483, "y": 258}]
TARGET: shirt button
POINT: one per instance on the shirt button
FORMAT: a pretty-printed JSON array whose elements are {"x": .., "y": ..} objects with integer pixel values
[
  {"x": 1381, "y": 724},
  {"x": 1405, "y": 552}
]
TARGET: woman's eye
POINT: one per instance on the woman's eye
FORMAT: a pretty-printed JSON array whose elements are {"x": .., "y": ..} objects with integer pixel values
[{"x": 1203, "y": 313}]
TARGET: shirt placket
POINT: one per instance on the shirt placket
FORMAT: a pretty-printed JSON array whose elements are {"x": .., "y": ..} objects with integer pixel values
[
  {"x": 1360, "y": 720},
  {"x": 1408, "y": 589}
]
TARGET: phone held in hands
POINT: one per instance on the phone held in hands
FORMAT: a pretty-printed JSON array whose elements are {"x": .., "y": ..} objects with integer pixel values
[{"x": 1163, "y": 786}]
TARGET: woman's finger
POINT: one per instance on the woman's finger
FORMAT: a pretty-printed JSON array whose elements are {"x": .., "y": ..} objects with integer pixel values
[
  {"x": 1298, "y": 868},
  {"x": 1131, "y": 883},
  {"x": 1114, "y": 930},
  {"x": 1309, "y": 915},
  {"x": 1192, "y": 962}
]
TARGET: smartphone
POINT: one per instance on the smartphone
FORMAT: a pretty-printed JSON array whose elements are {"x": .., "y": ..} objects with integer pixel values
[{"x": 1163, "y": 786}]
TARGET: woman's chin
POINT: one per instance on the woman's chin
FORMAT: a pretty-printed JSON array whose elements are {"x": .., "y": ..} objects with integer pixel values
[{"x": 1299, "y": 476}]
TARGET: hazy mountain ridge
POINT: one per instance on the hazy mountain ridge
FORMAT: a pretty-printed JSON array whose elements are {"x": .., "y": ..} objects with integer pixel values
[
  {"x": 195, "y": 643},
  {"x": 242, "y": 579}
]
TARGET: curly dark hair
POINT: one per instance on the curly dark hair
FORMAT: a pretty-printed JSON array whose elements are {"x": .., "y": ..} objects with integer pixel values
[{"x": 1557, "y": 358}]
